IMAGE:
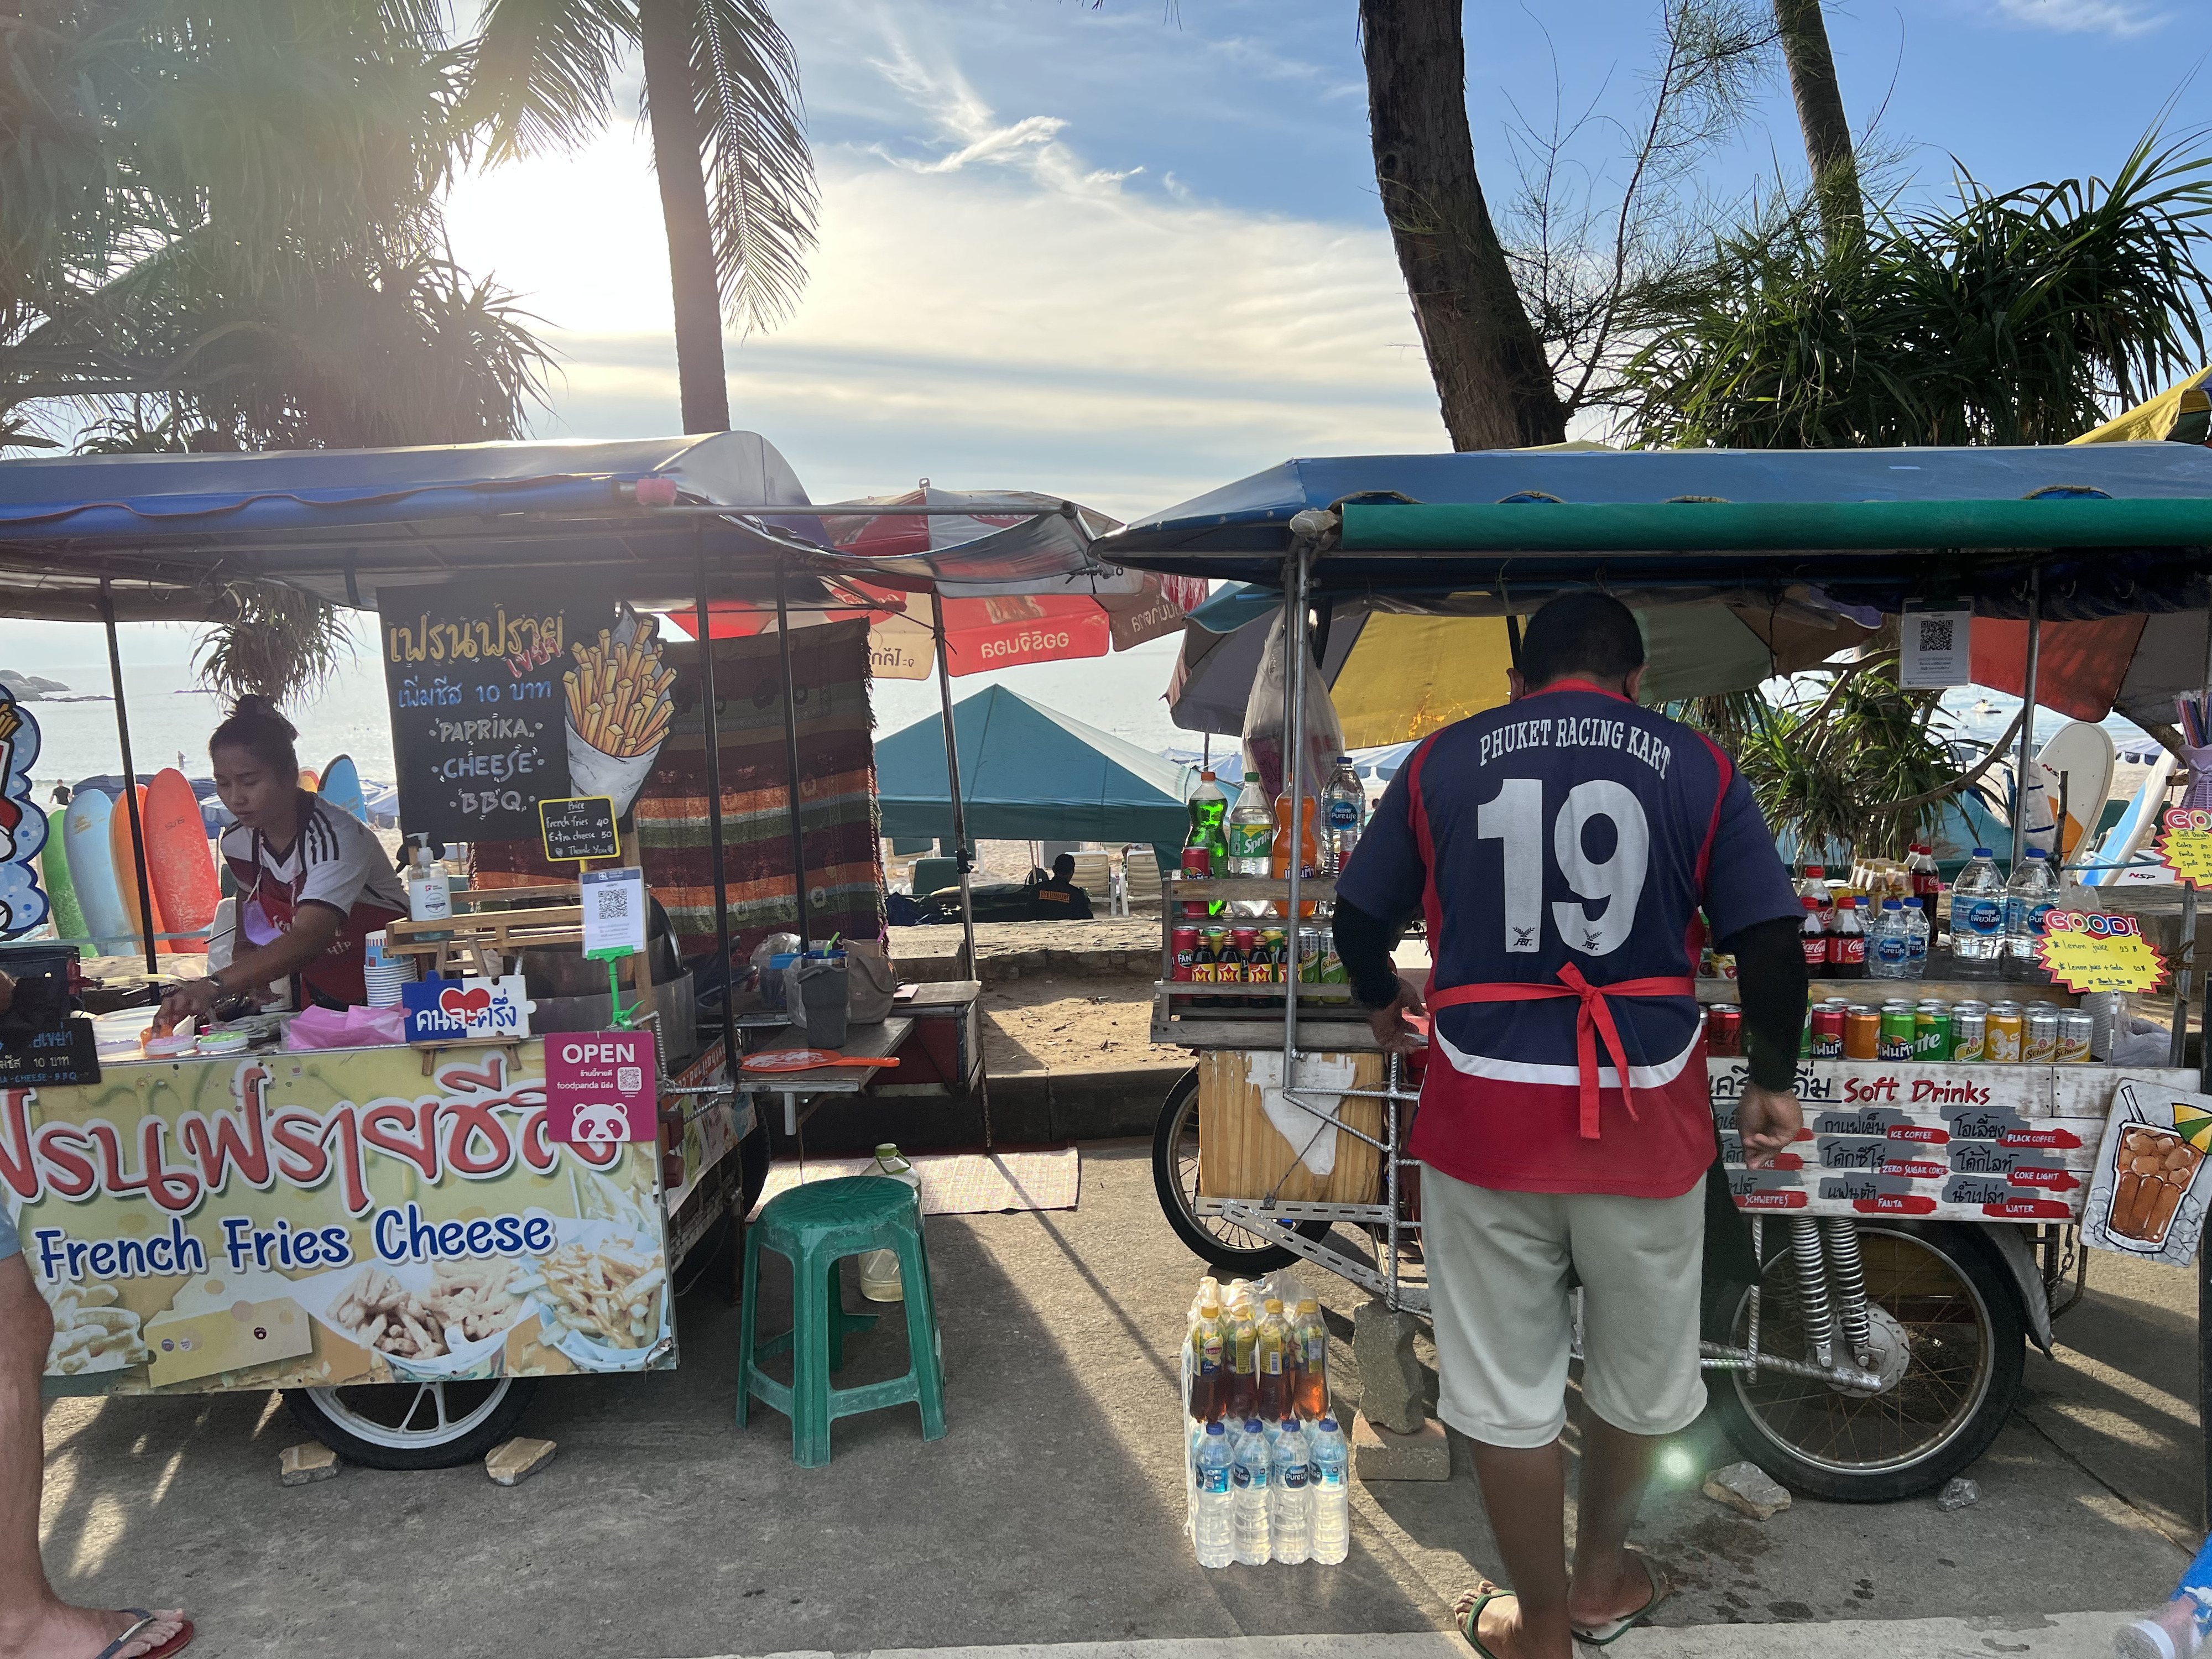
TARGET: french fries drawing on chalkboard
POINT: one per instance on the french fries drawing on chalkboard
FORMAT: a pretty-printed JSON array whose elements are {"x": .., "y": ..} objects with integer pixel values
[{"x": 619, "y": 708}]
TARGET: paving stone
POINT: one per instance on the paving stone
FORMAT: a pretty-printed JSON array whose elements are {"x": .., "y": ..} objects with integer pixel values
[
  {"x": 1380, "y": 1455},
  {"x": 1391, "y": 1389},
  {"x": 515, "y": 1460},
  {"x": 309, "y": 1461},
  {"x": 1748, "y": 1488}
]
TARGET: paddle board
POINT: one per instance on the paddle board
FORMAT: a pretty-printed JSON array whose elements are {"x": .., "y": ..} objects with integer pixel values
[
  {"x": 341, "y": 788},
  {"x": 123, "y": 851},
  {"x": 186, "y": 889},
  {"x": 2137, "y": 828},
  {"x": 87, "y": 840},
  {"x": 61, "y": 891},
  {"x": 2080, "y": 752}
]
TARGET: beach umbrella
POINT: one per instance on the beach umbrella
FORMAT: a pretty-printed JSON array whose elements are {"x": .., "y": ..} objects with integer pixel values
[
  {"x": 1396, "y": 674},
  {"x": 992, "y": 618}
]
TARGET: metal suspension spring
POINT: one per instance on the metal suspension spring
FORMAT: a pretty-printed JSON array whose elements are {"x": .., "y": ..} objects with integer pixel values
[
  {"x": 1841, "y": 1235},
  {"x": 1813, "y": 1310}
]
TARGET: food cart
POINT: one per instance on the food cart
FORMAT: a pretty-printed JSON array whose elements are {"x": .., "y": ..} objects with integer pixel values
[
  {"x": 1927, "y": 1224},
  {"x": 408, "y": 1236}
]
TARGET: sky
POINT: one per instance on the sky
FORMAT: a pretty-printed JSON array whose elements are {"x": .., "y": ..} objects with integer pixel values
[{"x": 1131, "y": 251}]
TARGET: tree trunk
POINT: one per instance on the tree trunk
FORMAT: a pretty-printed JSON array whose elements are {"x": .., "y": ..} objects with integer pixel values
[
  {"x": 1821, "y": 115},
  {"x": 665, "y": 27},
  {"x": 1491, "y": 378}
]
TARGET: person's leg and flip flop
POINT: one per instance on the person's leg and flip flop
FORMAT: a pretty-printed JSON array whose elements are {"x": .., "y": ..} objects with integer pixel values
[
  {"x": 34, "y": 1622},
  {"x": 1498, "y": 1263}
]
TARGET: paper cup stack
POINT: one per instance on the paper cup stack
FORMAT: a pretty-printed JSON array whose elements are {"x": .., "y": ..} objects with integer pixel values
[{"x": 385, "y": 974}]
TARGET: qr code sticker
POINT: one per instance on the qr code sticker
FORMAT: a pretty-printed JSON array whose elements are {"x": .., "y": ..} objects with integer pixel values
[
  {"x": 630, "y": 1079},
  {"x": 1936, "y": 635},
  {"x": 614, "y": 903}
]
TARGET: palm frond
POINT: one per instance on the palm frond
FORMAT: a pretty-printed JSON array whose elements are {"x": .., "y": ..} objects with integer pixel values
[
  {"x": 273, "y": 641},
  {"x": 760, "y": 171},
  {"x": 541, "y": 73}
]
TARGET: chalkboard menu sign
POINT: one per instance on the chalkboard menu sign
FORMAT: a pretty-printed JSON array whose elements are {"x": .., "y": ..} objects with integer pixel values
[
  {"x": 59, "y": 1056},
  {"x": 474, "y": 673},
  {"x": 579, "y": 829}
]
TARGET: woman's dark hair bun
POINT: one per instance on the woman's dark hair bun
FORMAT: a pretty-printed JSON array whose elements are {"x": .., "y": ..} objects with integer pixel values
[
  {"x": 256, "y": 726},
  {"x": 253, "y": 706}
]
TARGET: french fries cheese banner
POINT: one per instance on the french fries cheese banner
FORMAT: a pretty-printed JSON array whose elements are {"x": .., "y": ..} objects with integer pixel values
[{"x": 331, "y": 1218}]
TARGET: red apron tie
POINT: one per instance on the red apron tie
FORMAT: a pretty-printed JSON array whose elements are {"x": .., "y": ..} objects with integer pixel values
[{"x": 1593, "y": 1021}]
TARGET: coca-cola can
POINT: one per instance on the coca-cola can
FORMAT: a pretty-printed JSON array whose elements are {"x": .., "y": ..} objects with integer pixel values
[{"x": 1724, "y": 1029}]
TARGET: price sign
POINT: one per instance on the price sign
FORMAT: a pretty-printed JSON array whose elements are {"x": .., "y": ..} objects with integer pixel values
[
  {"x": 2089, "y": 952},
  {"x": 579, "y": 827},
  {"x": 2186, "y": 846}
]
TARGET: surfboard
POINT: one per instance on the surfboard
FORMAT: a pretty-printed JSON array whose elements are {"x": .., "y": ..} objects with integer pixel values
[
  {"x": 309, "y": 782},
  {"x": 2079, "y": 752},
  {"x": 123, "y": 851},
  {"x": 2137, "y": 828},
  {"x": 181, "y": 870},
  {"x": 61, "y": 891},
  {"x": 341, "y": 788},
  {"x": 86, "y": 840}
]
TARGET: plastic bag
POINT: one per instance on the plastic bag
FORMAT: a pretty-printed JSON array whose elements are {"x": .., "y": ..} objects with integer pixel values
[
  {"x": 870, "y": 983},
  {"x": 2199, "y": 793},
  {"x": 345, "y": 1028},
  {"x": 1265, "y": 755}
]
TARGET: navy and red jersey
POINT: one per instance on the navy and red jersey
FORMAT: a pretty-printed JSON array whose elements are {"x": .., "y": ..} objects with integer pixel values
[{"x": 1569, "y": 837}]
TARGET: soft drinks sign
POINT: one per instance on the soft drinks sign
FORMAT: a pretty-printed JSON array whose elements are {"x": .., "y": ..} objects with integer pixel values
[{"x": 600, "y": 1087}]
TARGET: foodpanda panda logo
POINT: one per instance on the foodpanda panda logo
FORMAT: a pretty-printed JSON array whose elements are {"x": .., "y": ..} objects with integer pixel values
[{"x": 600, "y": 1124}]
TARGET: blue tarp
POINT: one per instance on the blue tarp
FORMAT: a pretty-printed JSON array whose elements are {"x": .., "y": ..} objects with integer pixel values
[{"x": 1030, "y": 773}]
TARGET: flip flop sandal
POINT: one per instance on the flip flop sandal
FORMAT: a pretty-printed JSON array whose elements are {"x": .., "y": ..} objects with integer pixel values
[
  {"x": 1607, "y": 1634},
  {"x": 175, "y": 1645},
  {"x": 1484, "y": 1593}
]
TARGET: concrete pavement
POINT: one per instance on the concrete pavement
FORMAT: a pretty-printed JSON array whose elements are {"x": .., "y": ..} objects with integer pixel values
[{"x": 1051, "y": 1513}]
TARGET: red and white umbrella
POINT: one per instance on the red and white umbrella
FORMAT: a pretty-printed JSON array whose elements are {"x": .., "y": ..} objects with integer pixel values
[{"x": 995, "y": 616}]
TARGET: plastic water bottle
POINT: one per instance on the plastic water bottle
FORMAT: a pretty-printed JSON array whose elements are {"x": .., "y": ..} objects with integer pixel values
[
  {"x": 1332, "y": 1493},
  {"x": 1214, "y": 1528},
  {"x": 1291, "y": 1491},
  {"x": 1250, "y": 1479},
  {"x": 1916, "y": 940},
  {"x": 1978, "y": 917},
  {"x": 1889, "y": 952},
  {"x": 1344, "y": 815},
  {"x": 2030, "y": 896},
  {"x": 879, "y": 1269}
]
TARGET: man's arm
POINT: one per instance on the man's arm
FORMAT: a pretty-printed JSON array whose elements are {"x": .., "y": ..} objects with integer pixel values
[
  {"x": 1772, "y": 981},
  {"x": 1363, "y": 945},
  {"x": 1385, "y": 877}
]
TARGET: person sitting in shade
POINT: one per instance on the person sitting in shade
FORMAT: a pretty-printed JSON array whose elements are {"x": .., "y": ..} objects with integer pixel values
[{"x": 1060, "y": 899}]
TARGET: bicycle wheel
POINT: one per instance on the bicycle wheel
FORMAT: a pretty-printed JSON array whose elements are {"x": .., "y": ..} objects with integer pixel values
[
  {"x": 1949, "y": 1339},
  {"x": 414, "y": 1425},
  {"x": 1220, "y": 1242}
]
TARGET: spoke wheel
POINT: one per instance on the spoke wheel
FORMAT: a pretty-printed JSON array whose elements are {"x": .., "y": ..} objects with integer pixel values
[
  {"x": 1935, "y": 1290},
  {"x": 1221, "y": 1242},
  {"x": 414, "y": 1425}
]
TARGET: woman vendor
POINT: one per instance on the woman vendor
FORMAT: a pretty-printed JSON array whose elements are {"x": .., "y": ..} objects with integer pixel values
[{"x": 313, "y": 882}]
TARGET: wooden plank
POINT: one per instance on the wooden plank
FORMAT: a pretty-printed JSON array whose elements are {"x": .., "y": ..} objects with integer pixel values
[
  {"x": 1241, "y": 1154},
  {"x": 1315, "y": 1035}
]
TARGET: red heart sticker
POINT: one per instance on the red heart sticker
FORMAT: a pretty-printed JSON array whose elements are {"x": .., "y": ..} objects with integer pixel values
[
  {"x": 452, "y": 1001},
  {"x": 477, "y": 1001}
]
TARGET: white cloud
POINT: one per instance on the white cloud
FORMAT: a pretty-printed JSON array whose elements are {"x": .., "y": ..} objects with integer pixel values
[
  {"x": 991, "y": 309},
  {"x": 2083, "y": 16}
]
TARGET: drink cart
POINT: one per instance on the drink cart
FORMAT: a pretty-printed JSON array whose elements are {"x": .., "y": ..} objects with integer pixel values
[{"x": 1925, "y": 1226}]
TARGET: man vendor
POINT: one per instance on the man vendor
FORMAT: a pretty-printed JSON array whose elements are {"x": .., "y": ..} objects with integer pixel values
[
  {"x": 1060, "y": 899},
  {"x": 313, "y": 882},
  {"x": 1560, "y": 848}
]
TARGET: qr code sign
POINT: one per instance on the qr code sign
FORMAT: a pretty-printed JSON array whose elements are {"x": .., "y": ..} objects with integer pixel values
[
  {"x": 614, "y": 903},
  {"x": 1935, "y": 634},
  {"x": 629, "y": 1079}
]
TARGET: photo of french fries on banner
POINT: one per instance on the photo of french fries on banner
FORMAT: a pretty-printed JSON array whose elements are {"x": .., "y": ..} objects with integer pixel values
[{"x": 619, "y": 709}]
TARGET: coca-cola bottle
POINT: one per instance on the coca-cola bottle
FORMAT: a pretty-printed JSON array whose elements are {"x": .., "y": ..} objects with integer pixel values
[
  {"x": 1816, "y": 937},
  {"x": 1927, "y": 879},
  {"x": 1847, "y": 941}
]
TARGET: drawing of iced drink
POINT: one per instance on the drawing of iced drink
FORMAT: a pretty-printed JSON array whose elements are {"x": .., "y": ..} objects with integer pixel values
[{"x": 2152, "y": 1169}]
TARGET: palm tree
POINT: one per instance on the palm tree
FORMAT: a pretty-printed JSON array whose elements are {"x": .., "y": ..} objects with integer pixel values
[
  {"x": 722, "y": 97},
  {"x": 222, "y": 230},
  {"x": 1804, "y": 35}
]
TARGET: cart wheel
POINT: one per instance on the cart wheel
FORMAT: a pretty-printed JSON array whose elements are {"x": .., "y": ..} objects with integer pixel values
[
  {"x": 1222, "y": 1244},
  {"x": 1950, "y": 1336},
  {"x": 414, "y": 1425}
]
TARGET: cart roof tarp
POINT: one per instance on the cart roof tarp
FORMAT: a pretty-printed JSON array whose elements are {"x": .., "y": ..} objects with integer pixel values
[
  {"x": 1866, "y": 528},
  {"x": 1029, "y": 773},
  {"x": 167, "y": 530}
]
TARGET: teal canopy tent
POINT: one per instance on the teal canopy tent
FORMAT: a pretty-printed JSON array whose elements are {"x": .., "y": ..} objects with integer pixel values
[{"x": 1030, "y": 773}]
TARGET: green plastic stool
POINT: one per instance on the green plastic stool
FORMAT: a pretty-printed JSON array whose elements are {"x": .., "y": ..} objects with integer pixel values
[{"x": 813, "y": 1227}]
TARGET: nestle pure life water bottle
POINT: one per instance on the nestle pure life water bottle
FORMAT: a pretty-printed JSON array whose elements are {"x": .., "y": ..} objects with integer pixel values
[
  {"x": 1344, "y": 815},
  {"x": 1250, "y": 1480},
  {"x": 1332, "y": 1493},
  {"x": 2030, "y": 896},
  {"x": 1291, "y": 1492},
  {"x": 1978, "y": 917},
  {"x": 1889, "y": 951},
  {"x": 1214, "y": 1527}
]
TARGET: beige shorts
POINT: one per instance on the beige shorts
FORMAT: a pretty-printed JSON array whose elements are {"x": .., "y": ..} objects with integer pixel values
[{"x": 1498, "y": 1285}]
